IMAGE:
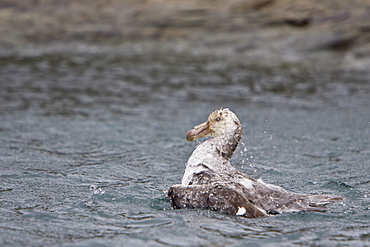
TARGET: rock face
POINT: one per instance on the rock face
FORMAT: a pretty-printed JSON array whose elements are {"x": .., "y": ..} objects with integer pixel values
[{"x": 286, "y": 29}]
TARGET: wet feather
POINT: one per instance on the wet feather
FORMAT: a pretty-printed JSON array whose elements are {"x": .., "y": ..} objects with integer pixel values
[{"x": 210, "y": 181}]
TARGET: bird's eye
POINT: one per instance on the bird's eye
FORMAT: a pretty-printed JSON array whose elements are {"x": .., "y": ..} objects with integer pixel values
[{"x": 218, "y": 119}]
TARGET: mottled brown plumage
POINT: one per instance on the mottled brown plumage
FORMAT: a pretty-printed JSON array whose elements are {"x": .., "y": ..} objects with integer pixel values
[{"x": 211, "y": 182}]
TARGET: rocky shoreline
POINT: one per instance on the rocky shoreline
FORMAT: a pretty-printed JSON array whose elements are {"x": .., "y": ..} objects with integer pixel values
[{"x": 263, "y": 30}]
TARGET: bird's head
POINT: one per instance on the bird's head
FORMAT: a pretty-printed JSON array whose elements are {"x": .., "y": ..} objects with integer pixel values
[{"x": 221, "y": 122}]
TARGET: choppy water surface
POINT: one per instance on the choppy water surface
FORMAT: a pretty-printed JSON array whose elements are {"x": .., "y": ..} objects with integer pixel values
[{"x": 90, "y": 143}]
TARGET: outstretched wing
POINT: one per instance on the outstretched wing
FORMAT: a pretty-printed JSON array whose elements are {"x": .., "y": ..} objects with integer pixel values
[
  {"x": 274, "y": 199},
  {"x": 236, "y": 193}
]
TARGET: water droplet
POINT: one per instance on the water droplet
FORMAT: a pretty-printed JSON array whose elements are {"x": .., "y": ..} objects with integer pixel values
[{"x": 96, "y": 190}]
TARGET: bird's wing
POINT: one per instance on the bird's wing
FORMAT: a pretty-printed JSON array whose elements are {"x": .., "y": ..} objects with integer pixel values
[
  {"x": 274, "y": 199},
  {"x": 217, "y": 196}
]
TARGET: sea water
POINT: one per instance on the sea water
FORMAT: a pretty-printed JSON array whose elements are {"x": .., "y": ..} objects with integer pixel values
[{"x": 90, "y": 143}]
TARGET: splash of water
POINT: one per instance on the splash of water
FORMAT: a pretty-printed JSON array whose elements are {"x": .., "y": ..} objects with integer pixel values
[
  {"x": 96, "y": 190},
  {"x": 244, "y": 155}
]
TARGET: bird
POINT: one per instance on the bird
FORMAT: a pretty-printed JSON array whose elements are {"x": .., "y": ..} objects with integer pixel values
[{"x": 211, "y": 182}]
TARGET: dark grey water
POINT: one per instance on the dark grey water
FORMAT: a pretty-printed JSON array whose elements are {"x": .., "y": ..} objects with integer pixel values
[{"x": 89, "y": 143}]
